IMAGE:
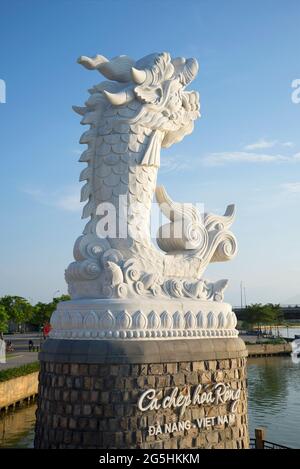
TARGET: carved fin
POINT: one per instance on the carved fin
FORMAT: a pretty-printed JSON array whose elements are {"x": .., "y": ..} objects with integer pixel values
[
  {"x": 152, "y": 154},
  {"x": 175, "y": 210},
  {"x": 213, "y": 221}
]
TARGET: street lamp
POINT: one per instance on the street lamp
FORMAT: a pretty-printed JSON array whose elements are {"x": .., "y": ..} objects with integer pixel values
[{"x": 54, "y": 293}]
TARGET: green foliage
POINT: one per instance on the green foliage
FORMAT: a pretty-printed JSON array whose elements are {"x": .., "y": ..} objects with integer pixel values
[
  {"x": 277, "y": 341},
  {"x": 42, "y": 311},
  {"x": 3, "y": 319},
  {"x": 259, "y": 315},
  {"x": 17, "y": 308},
  {"x": 23, "y": 370},
  {"x": 20, "y": 311}
]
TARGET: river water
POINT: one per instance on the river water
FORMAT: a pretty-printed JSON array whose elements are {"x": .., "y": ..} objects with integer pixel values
[
  {"x": 274, "y": 402},
  {"x": 274, "y": 398},
  {"x": 289, "y": 332}
]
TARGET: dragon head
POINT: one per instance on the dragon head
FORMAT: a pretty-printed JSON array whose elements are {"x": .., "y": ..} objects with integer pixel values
[{"x": 157, "y": 82}]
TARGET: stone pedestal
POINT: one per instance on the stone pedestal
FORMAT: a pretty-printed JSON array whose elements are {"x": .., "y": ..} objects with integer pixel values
[{"x": 89, "y": 394}]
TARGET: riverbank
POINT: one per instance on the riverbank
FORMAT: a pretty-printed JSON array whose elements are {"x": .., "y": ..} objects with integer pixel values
[
  {"x": 265, "y": 350},
  {"x": 273, "y": 389},
  {"x": 17, "y": 385}
]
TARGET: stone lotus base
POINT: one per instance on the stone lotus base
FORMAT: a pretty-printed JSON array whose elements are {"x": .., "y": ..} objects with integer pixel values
[
  {"x": 89, "y": 392},
  {"x": 142, "y": 319}
]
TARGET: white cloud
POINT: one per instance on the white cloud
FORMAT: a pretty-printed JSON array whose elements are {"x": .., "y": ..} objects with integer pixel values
[
  {"x": 221, "y": 158},
  {"x": 227, "y": 157},
  {"x": 174, "y": 163},
  {"x": 66, "y": 198},
  {"x": 291, "y": 187},
  {"x": 69, "y": 202},
  {"x": 262, "y": 144}
]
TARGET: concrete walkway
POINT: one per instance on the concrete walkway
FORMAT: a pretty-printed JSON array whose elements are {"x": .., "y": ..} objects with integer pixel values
[
  {"x": 15, "y": 359},
  {"x": 20, "y": 354}
]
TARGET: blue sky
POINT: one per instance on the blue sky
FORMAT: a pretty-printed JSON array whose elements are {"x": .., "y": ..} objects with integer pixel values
[{"x": 245, "y": 148}]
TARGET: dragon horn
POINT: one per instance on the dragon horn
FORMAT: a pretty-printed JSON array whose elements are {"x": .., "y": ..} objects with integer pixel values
[
  {"x": 138, "y": 76},
  {"x": 122, "y": 97},
  {"x": 189, "y": 71}
]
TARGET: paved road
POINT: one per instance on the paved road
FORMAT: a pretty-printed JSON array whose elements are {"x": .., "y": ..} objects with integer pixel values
[
  {"x": 16, "y": 359},
  {"x": 20, "y": 354},
  {"x": 20, "y": 341}
]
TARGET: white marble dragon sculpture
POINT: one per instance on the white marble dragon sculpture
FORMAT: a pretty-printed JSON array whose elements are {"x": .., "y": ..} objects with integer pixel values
[{"x": 142, "y": 107}]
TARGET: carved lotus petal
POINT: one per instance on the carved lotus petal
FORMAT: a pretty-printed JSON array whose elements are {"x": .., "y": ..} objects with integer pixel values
[
  {"x": 190, "y": 320},
  {"x": 107, "y": 320},
  {"x": 91, "y": 320},
  {"x": 65, "y": 319},
  {"x": 229, "y": 320},
  {"x": 153, "y": 320},
  {"x": 234, "y": 320},
  {"x": 201, "y": 320},
  {"x": 221, "y": 320},
  {"x": 166, "y": 320},
  {"x": 178, "y": 320},
  {"x": 211, "y": 320},
  {"x": 76, "y": 320},
  {"x": 55, "y": 320},
  {"x": 124, "y": 320},
  {"x": 140, "y": 320}
]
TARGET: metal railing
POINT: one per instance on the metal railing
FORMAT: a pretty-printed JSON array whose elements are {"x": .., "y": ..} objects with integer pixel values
[{"x": 259, "y": 442}]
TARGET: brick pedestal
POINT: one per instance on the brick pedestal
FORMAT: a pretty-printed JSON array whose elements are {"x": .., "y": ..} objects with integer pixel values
[{"x": 89, "y": 390}]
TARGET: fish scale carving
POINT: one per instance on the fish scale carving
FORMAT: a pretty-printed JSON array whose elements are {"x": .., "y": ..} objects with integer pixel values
[{"x": 133, "y": 115}]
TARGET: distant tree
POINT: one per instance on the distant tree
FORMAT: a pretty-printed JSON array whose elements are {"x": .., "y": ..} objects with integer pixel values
[
  {"x": 263, "y": 315},
  {"x": 18, "y": 309},
  {"x": 276, "y": 315},
  {"x": 58, "y": 299},
  {"x": 3, "y": 319},
  {"x": 42, "y": 312},
  {"x": 253, "y": 314}
]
